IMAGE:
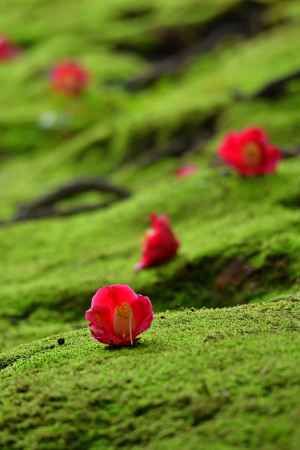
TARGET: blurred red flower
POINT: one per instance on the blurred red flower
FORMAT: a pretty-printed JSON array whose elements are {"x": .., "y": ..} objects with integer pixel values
[
  {"x": 7, "y": 49},
  {"x": 249, "y": 152},
  {"x": 160, "y": 244},
  {"x": 118, "y": 315},
  {"x": 187, "y": 170},
  {"x": 69, "y": 78}
]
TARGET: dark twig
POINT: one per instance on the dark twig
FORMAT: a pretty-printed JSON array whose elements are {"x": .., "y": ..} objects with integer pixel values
[
  {"x": 172, "y": 65},
  {"x": 276, "y": 88},
  {"x": 271, "y": 91},
  {"x": 184, "y": 142},
  {"x": 46, "y": 205},
  {"x": 243, "y": 21},
  {"x": 290, "y": 153},
  {"x": 174, "y": 150}
]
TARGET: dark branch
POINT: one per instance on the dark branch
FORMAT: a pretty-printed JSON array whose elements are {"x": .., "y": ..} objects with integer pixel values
[
  {"x": 291, "y": 153},
  {"x": 243, "y": 21},
  {"x": 46, "y": 205},
  {"x": 277, "y": 87}
]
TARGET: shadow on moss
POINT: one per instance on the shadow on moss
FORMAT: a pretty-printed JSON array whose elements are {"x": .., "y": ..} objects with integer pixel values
[{"x": 220, "y": 282}]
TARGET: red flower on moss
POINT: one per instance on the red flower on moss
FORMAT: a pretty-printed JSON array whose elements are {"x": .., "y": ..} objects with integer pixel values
[
  {"x": 160, "y": 244},
  {"x": 69, "y": 78},
  {"x": 186, "y": 171},
  {"x": 249, "y": 152},
  {"x": 7, "y": 49},
  {"x": 118, "y": 315}
]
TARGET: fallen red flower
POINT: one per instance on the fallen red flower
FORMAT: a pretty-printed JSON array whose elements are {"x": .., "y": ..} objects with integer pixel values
[
  {"x": 7, "y": 49},
  {"x": 69, "y": 78},
  {"x": 160, "y": 244},
  {"x": 118, "y": 315},
  {"x": 249, "y": 152},
  {"x": 186, "y": 171}
]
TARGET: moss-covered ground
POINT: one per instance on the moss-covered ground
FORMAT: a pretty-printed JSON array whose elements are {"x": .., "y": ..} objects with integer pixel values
[
  {"x": 211, "y": 379},
  {"x": 219, "y": 370}
]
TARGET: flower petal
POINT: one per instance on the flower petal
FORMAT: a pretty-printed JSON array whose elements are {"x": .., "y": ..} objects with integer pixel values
[{"x": 143, "y": 314}]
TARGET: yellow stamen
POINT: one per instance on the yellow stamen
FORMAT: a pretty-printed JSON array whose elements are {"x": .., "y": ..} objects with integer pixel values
[
  {"x": 252, "y": 154},
  {"x": 123, "y": 322}
]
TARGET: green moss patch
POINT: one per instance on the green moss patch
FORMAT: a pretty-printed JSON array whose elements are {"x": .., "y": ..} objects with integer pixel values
[{"x": 224, "y": 378}]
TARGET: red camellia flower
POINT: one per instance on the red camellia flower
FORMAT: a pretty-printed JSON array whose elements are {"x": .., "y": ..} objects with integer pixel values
[
  {"x": 160, "y": 244},
  {"x": 186, "y": 171},
  {"x": 69, "y": 78},
  {"x": 249, "y": 152},
  {"x": 118, "y": 315},
  {"x": 7, "y": 49}
]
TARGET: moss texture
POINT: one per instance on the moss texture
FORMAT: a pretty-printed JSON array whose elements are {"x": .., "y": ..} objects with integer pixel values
[
  {"x": 233, "y": 369},
  {"x": 210, "y": 378}
]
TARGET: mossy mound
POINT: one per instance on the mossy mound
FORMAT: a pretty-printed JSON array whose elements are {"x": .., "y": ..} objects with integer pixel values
[
  {"x": 240, "y": 241},
  {"x": 213, "y": 379}
]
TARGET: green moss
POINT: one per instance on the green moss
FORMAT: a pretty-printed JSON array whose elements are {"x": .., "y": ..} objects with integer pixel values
[
  {"x": 230, "y": 369},
  {"x": 219, "y": 220},
  {"x": 231, "y": 65}
]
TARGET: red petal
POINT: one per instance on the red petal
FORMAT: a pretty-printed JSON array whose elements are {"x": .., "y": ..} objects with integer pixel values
[
  {"x": 143, "y": 314},
  {"x": 101, "y": 326},
  {"x": 113, "y": 296}
]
